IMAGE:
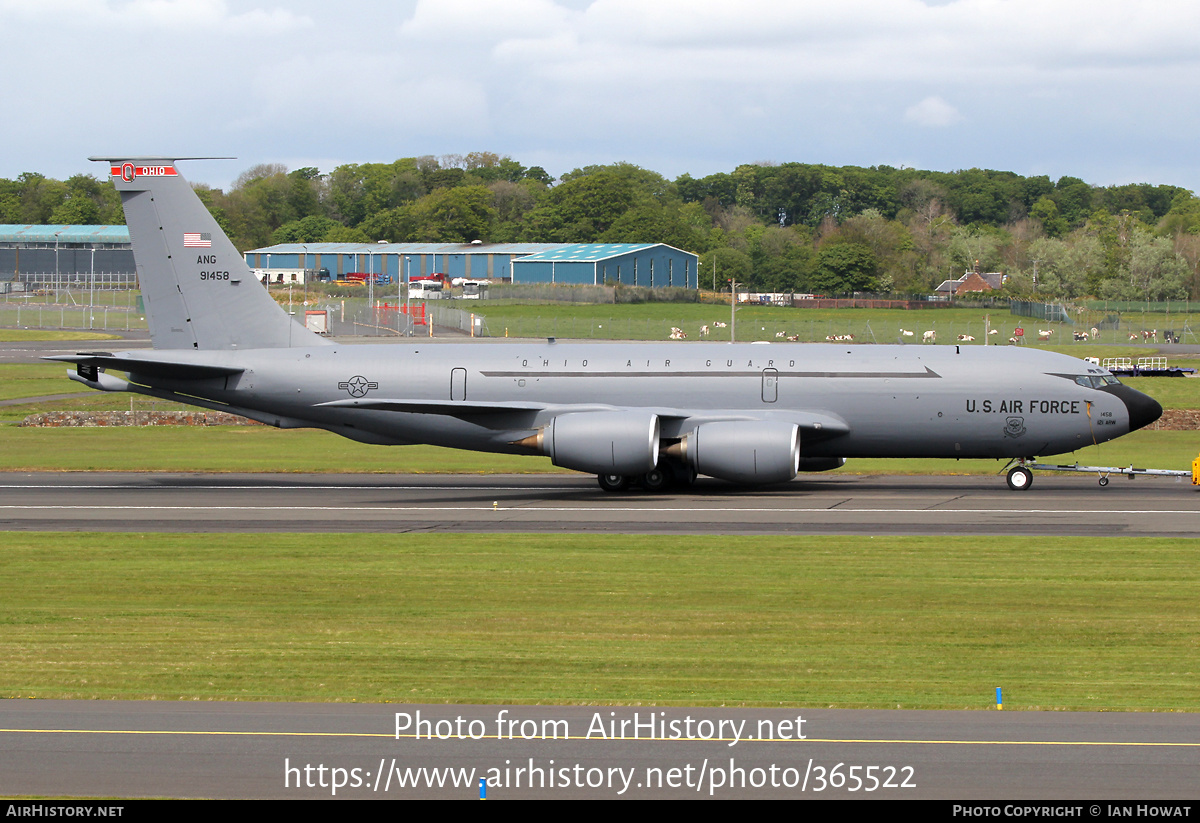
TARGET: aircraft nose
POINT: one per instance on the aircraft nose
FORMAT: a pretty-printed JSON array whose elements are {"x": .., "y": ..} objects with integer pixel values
[{"x": 1143, "y": 409}]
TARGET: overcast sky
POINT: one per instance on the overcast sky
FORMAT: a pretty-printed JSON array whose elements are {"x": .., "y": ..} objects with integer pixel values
[{"x": 1097, "y": 89}]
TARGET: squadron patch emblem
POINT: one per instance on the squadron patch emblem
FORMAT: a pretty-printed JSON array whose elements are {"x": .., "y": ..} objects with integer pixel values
[{"x": 1015, "y": 427}]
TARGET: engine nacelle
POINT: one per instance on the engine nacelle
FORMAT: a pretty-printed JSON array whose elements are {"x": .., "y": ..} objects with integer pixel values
[
  {"x": 602, "y": 442},
  {"x": 744, "y": 451}
]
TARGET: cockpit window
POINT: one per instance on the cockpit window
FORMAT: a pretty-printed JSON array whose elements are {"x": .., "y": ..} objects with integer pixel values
[{"x": 1097, "y": 381}]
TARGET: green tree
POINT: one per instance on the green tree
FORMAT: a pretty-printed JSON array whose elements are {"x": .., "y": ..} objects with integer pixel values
[
  {"x": 721, "y": 265},
  {"x": 311, "y": 229},
  {"x": 453, "y": 215},
  {"x": 843, "y": 268},
  {"x": 1046, "y": 210}
]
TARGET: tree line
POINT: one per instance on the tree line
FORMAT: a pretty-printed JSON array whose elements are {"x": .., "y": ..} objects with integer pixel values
[{"x": 774, "y": 227}]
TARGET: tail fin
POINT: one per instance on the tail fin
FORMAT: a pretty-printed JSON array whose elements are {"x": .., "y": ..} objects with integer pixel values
[{"x": 198, "y": 291}]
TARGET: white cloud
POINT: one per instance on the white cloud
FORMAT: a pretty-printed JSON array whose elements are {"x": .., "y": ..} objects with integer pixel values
[
  {"x": 186, "y": 17},
  {"x": 933, "y": 112},
  {"x": 702, "y": 84}
]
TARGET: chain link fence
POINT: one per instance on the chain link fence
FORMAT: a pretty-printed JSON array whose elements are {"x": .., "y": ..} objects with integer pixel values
[{"x": 1079, "y": 323}]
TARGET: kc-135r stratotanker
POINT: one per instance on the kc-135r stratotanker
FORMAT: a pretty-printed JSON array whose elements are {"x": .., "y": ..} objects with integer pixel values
[{"x": 631, "y": 413}]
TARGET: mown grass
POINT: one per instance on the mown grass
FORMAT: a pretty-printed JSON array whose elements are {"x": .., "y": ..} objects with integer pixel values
[
  {"x": 19, "y": 380},
  {"x": 264, "y": 449},
  {"x": 1068, "y": 623},
  {"x": 23, "y": 335},
  {"x": 653, "y": 321}
]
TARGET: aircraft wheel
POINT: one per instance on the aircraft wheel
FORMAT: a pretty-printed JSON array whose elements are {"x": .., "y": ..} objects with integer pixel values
[
  {"x": 1103, "y": 481},
  {"x": 613, "y": 482},
  {"x": 655, "y": 480},
  {"x": 1019, "y": 478}
]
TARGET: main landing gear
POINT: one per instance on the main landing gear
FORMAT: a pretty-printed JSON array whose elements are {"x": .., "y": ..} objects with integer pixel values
[
  {"x": 658, "y": 479},
  {"x": 613, "y": 482}
]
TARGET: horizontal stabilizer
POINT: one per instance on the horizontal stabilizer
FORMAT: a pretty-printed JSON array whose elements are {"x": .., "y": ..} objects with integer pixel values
[{"x": 150, "y": 367}]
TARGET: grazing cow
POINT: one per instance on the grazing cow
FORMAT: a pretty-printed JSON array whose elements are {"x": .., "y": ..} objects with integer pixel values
[
  {"x": 1095, "y": 332},
  {"x": 929, "y": 336},
  {"x": 704, "y": 331}
]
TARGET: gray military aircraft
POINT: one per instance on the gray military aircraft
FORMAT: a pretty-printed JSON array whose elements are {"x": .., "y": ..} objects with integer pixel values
[{"x": 646, "y": 414}]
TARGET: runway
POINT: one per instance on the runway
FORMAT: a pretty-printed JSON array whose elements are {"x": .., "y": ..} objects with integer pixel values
[
  {"x": 398, "y": 751},
  {"x": 254, "y": 750},
  {"x": 825, "y": 504}
]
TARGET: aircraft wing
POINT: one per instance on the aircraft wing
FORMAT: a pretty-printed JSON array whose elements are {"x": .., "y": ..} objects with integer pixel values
[
  {"x": 450, "y": 408},
  {"x": 815, "y": 424}
]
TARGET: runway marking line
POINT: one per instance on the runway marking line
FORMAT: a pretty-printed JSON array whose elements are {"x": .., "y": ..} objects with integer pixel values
[
  {"x": 184, "y": 488},
  {"x": 647, "y": 509},
  {"x": 872, "y": 741}
]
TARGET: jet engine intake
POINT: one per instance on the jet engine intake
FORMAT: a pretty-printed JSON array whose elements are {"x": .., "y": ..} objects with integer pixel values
[
  {"x": 743, "y": 451},
  {"x": 602, "y": 442}
]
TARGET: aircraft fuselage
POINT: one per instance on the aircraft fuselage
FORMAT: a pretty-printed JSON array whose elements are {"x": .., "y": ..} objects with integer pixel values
[{"x": 849, "y": 401}]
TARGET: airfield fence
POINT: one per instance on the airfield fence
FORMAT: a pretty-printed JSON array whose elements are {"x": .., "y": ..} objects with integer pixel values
[
  {"x": 89, "y": 318},
  {"x": 561, "y": 293},
  {"x": 1053, "y": 312},
  {"x": 355, "y": 316},
  {"x": 854, "y": 328}
]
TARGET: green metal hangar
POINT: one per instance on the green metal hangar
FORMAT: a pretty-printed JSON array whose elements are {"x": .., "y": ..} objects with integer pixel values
[
  {"x": 286, "y": 262},
  {"x": 641, "y": 264},
  {"x": 39, "y": 257},
  {"x": 632, "y": 264}
]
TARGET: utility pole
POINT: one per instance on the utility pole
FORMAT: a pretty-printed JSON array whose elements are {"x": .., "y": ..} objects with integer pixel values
[
  {"x": 304, "y": 274},
  {"x": 732, "y": 311}
]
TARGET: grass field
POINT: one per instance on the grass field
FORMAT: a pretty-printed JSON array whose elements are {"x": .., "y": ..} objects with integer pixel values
[
  {"x": 264, "y": 449},
  {"x": 653, "y": 321},
  {"x": 1073, "y": 623},
  {"x": 22, "y": 335}
]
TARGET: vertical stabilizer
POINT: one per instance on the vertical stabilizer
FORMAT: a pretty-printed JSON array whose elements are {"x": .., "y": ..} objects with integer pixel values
[{"x": 198, "y": 291}]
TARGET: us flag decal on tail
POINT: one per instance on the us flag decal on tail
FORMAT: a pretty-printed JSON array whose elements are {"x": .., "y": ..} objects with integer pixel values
[{"x": 197, "y": 240}]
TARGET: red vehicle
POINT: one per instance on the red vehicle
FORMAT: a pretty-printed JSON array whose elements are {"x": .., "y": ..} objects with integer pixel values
[{"x": 440, "y": 277}]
